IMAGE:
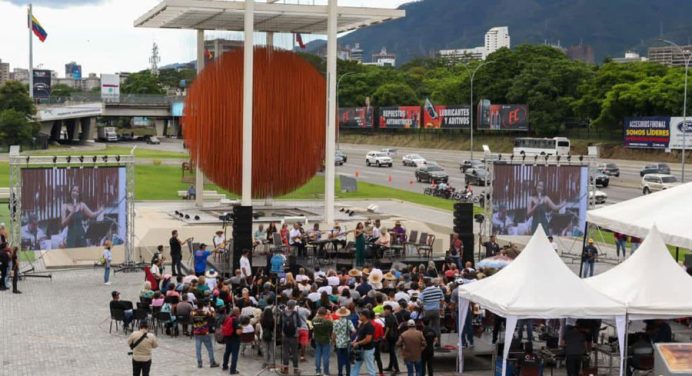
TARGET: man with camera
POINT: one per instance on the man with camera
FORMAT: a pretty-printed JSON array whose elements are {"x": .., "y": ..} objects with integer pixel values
[
  {"x": 364, "y": 346},
  {"x": 141, "y": 344}
]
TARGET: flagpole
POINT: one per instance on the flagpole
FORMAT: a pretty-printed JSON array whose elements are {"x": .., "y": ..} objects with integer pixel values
[{"x": 31, "y": 55}]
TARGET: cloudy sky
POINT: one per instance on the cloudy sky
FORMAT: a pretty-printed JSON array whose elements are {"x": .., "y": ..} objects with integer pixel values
[{"x": 98, "y": 34}]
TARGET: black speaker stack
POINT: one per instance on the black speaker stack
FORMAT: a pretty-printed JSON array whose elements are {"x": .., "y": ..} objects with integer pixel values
[
  {"x": 242, "y": 233},
  {"x": 463, "y": 225}
]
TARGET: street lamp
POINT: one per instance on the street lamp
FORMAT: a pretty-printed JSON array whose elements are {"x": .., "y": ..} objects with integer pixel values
[
  {"x": 473, "y": 75},
  {"x": 687, "y": 55},
  {"x": 338, "y": 83}
]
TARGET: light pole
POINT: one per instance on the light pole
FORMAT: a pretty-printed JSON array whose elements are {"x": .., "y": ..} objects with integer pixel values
[
  {"x": 338, "y": 106},
  {"x": 473, "y": 75},
  {"x": 687, "y": 55}
]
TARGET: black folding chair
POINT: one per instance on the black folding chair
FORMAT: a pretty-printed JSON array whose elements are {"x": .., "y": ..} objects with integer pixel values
[
  {"x": 162, "y": 318},
  {"x": 117, "y": 315}
]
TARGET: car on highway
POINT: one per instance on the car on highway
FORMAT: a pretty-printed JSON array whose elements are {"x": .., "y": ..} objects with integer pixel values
[
  {"x": 153, "y": 140},
  {"x": 610, "y": 169},
  {"x": 477, "y": 176},
  {"x": 390, "y": 152},
  {"x": 655, "y": 168},
  {"x": 658, "y": 182},
  {"x": 469, "y": 164},
  {"x": 378, "y": 158},
  {"x": 339, "y": 160},
  {"x": 431, "y": 173},
  {"x": 600, "y": 179},
  {"x": 413, "y": 160},
  {"x": 343, "y": 156},
  {"x": 597, "y": 197}
]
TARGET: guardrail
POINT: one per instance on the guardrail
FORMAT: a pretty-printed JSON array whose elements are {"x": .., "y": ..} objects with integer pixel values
[{"x": 125, "y": 99}]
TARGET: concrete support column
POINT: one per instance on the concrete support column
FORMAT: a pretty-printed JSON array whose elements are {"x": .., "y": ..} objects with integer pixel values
[
  {"x": 330, "y": 169},
  {"x": 248, "y": 72},
  {"x": 85, "y": 130},
  {"x": 199, "y": 176}
]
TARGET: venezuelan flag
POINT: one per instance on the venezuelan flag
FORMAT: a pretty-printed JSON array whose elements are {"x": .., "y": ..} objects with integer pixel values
[{"x": 38, "y": 29}]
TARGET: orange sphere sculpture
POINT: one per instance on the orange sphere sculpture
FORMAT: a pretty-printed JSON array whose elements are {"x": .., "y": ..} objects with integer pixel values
[{"x": 288, "y": 135}]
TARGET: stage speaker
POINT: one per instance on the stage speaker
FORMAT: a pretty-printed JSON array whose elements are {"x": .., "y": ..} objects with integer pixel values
[
  {"x": 463, "y": 218},
  {"x": 467, "y": 240},
  {"x": 242, "y": 232}
]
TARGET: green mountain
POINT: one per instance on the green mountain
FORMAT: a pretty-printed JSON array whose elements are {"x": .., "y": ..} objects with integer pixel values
[{"x": 610, "y": 27}]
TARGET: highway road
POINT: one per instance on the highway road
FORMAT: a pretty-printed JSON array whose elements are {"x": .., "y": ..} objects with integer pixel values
[{"x": 621, "y": 188}]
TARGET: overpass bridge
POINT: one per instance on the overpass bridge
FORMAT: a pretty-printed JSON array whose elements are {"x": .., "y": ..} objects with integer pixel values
[{"x": 74, "y": 118}]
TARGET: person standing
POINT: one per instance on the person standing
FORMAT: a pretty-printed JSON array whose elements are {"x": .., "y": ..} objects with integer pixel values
[
  {"x": 456, "y": 250},
  {"x": 177, "y": 252},
  {"x": 364, "y": 343},
  {"x": 391, "y": 335},
  {"x": 231, "y": 331},
  {"x": 412, "y": 343},
  {"x": 428, "y": 355},
  {"x": 360, "y": 244},
  {"x": 322, "y": 329},
  {"x": 201, "y": 256},
  {"x": 620, "y": 244},
  {"x": 107, "y": 258},
  {"x": 491, "y": 247},
  {"x": 141, "y": 344},
  {"x": 4, "y": 265},
  {"x": 432, "y": 298},
  {"x": 589, "y": 257},
  {"x": 15, "y": 270},
  {"x": 268, "y": 341},
  {"x": 290, "y": 322},
  {"x": 343, "y": 328},
  {"x": 635, "y": 242},
  {"x": 575, "y": 348},
  {"x": 201, "y": 323},
  {"x": 246, "y": 267}
]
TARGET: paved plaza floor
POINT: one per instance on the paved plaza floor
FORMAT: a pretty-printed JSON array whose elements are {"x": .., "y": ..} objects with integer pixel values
[{"x": 60, "y": 327}]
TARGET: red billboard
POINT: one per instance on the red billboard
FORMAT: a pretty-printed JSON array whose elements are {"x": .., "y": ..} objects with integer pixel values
[
  {"x": 504, "y": 117},
  {"x": 447, "y": 117},
  {"x": 356, "y": 117},
  {"x": 400, "y": 117}
]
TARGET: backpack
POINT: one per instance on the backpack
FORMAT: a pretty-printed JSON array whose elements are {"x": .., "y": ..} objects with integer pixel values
[
  {"x": 220, "y": 334},
  {"x": 227, "y": 327},
  {"x": 289, "y": 327}
]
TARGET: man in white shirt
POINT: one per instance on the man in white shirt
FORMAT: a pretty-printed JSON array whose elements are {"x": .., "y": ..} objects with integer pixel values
[
  {"x": 301, "y": 276},
  {"x": 107, "y": 258},
  {"x": 376, "y": 232},
  {"x": 314, "y": 296},
  {"x": 319, "y": 274},
  {"x": 245, "y": 267},
  {"x": 295, "y": 239},
  {"x": 401, "y": 294}
]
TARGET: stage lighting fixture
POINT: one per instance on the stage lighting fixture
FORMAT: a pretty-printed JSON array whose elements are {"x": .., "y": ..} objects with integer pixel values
[
  {"x": 81, "y": 159},
  {"x": 546, "y": 158},
  {"x": 68, "y": 159},
  {"x": 27, "y": 159},
  {"x": 581, "y": 158},
  {"x": 499, "y": 157},
  {"x": 558, "y": 159},
  {"x": 351, "y": 214},
  {"x": 511, "y": 158},
  {"x": 342, "y": 210},
  {"x": 94, "y": 158},
  {"x": 197, "y": 218},
  {"x": 177, "y": 212},
  {"x": 105, "y": 159},
  {"x": 117, "y": 158},
  {"x": 180, "y": 214},
  {"x": 187, "y": 216},
  {"x": 523, "y": 158},
  {"x": 479, "y": 218},
  {"x": 569, "y": 159},
  {"x": 55, "y": 159},
  {"x": 535, "y": 160}
]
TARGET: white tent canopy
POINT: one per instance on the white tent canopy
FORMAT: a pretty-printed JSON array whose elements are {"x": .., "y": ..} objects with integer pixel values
[
  {"x": 650, "y": 283},
  {"x": 538, "y": 284},
  {"x": 671, "y": 209}
]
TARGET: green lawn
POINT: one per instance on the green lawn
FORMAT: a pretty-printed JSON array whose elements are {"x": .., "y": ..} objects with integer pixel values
[{"x": 113, "y": 150}]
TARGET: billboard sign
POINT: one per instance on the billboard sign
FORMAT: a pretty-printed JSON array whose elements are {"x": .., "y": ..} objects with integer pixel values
[
  {"x": 76, "y": 72},
  {"x": 652, "y": 132},
  {"x": 504, "y": 117},
  {"x": 42, "y": 83},
  {"x": 400, "y": 117},
  {"x": 525, "y": 196},
  {"x": 447, "y": 117},
  {"x": 69, "y": 111},
  {"x": 110, "y": 87},
  {"x": 68, "y": 208},
  {"x": 678, "y": 127},
  {"x": 356, "y": 117}
]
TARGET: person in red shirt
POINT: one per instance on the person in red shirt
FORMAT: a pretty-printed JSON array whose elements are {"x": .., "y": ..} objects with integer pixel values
[
  {"x": 452, "y": 272},
  {"x": 377, "y": 339}
]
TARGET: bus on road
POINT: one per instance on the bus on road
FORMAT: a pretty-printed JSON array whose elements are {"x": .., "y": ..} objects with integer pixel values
[{"x": 541, "y": 146}]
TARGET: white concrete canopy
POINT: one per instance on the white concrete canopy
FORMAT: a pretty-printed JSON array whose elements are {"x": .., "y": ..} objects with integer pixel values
[{"x": 269, "y": 17}]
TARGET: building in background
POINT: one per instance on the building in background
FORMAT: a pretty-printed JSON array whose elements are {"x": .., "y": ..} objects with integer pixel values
[
  {"x": 383, "y": 58},
  {"x": 73, "y": 70},
  {"x": 668, "y": 55},
  {"x": 495, "y": 38},
  {"x": 20, "y": 74},
  {"x": 581, "y": 52},
  {"x": 357, "y": 53},
  {"x": 630, "y": 57},
  {"x": 4, "y": 72}
]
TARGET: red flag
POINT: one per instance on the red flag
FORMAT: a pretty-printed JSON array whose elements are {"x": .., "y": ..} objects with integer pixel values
[{"x": 299, "y": 39}]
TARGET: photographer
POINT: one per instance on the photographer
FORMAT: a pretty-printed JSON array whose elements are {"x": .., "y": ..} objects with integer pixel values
[{"x": 141, "y": 343}]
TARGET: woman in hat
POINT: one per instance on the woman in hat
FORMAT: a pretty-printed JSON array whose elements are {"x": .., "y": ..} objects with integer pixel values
[{"x": 360, "y": 244}]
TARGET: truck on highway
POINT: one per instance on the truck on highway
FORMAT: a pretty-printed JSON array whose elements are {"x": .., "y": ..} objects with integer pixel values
[{"x": 108, "y": 134}]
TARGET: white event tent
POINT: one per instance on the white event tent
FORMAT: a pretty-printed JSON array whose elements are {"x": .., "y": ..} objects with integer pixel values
[
  {"x": 650, "y": 283},
  {"x": 538, "y": 285},
  {"x": 670, "y": 209}
]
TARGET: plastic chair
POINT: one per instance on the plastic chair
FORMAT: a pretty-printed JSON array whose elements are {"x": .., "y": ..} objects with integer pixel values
[
  {"x": 411, "y": 241},
  {"x": 426, "y": 244},
  {"x": 117, "y": 315},
  {"x": 422, "y": 242}
]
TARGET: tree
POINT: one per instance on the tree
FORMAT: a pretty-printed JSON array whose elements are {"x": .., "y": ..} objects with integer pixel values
[
  {"x": 142, "y": 83},
  {"x": 61, "y": 90},
  {"x": 15, "y": 95},
  {"x": 396, "y": 94},
  {"x": 15, "y": 129}
]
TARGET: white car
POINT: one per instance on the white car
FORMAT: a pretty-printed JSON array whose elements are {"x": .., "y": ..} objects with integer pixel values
[
  {"x": 390, "y": 152},
  {"x": 658, "y": 182},
  {"x": 412, "y": 160},
  {"x": 597, "y": 197},
  {"x": 378, "y": 158}
]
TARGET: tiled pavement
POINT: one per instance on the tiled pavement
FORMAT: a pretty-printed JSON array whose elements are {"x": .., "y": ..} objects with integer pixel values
[{"x": 60, "y": 327}]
